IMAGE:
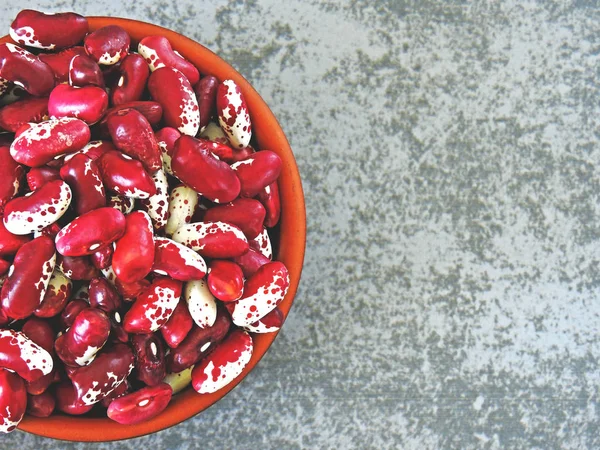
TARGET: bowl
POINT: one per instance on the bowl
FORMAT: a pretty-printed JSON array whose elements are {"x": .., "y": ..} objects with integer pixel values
[{"x": 290, "y": 241}]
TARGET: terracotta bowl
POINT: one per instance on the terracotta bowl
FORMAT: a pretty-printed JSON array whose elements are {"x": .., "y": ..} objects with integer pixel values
[{"x": 290, "y": 244}]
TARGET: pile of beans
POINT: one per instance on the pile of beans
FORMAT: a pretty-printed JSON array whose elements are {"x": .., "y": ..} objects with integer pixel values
[{"x": 135, "y": 256}]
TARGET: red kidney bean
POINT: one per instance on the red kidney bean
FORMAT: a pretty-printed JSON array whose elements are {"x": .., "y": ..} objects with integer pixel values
[
  {"x": 107, "y": 45},
  {"x": 28, "y": 278},
  {"x": 104, "y": 296},
  {"x": 225, "y": 280},
  {"x": 178, "y": 326},
  {"x": 83, "y": 175},
  {"x": 149, "y": 358},
  {"x": 166, "y": 138},
  {"x": 153, "y": 307},
  {"x": 258, "y": 171},
  {"x": 88, "y": 103},
  {"x": 198, "y": 343},
  {"x": 152, "y": 111},
  {"x": 157, "y": 205},
  {"x": 84, "y": 71},
  {"x": 41, "y": 405},
  {"x": 141, "y": 405},
  {"x": 263, "y": 291},
  {"x": 177, "y": 261},
  {"x": 76, "y": 267},
  {"x": 269, "y": 197},
  {"x": 233, "y": 114},
  {"x": 134, "y": 252},
  {"x": 134, "y": 75},
  {"x": 219, "y": 182},
  {"x": 67, "y": 400},
  {"x": 158, "y": 53},
  {"x": 11, "y": 175},
  {"x": 13, "y": 401},
  {"x": 28, "y": 110},
  {"x": 102, "y": 258},
  {"x": 131, "y": 291},
  {"x": 201, "y": 303},
  {"x": 24, "y": 215},
  {"x": 10, "y": 243},
  {"x": 25, "y": 70},
  {"x": 121, "y": 203},
  {"x": 60, "y": 62},
  {"x": 268, "y": 324},
  {"x": 109, "y": 369},
  {"x": 56, "y": 297},
  {"x": 48, "y": 31},
  {"x": 20, "y": 354},
  {"x": 39, "y": 176},
  {"x": 224, "y": 364},
  {"x": 40, "y": 332},
  {"x": 182, "y": 204},
  {"x": 170, "y": 88},
  {"x": 262, "y": 243},
  {"x": 246, "y": 213},
  {"x": 45, "y": 141},
  {"x": 213, "y": 239},
  {"x": 120, "y": 391},
  {"x": 73, "y": 308},
  {"x": 132, "y": 134},
  {"x": 206, "y": 94},
  {"x": 125, "y": 176},
  {"x": 88, "y": 334},
  {"x": 90, "y": 232}
]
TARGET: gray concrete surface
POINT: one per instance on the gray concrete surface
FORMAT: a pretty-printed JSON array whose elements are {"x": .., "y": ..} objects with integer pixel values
[{"x": 448, "y": 151}]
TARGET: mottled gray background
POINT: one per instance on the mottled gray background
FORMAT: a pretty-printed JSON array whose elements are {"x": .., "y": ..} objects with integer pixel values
[{"x": 448, "y": 152}]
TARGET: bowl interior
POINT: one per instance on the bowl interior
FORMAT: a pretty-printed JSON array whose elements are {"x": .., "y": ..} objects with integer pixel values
[{"x": 291, "y": 244}]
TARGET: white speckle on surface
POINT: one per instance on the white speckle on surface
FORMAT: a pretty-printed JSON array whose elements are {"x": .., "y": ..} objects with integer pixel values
[
  {"x": 193, "y": 235},
  {"x": 234, "y": 117},
  {"x": 190, "y": 114},
  {"x": 88, "y": 356},
  {"x": 32, "y": 355},
  {"x": 108, "y": 59},
  {"x": 26, "y": 36},
  {"x": 157, "y": 205},
  {"x": 36, "y": 211},
  {"x": 151, "y": 57}
]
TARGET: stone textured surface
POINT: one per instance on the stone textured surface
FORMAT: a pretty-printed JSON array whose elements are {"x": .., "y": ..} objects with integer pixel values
[{"x": 448, "y": 151}]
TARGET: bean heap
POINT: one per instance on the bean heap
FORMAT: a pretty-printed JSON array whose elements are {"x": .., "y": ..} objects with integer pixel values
[{"x": 135, "y": 256}]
